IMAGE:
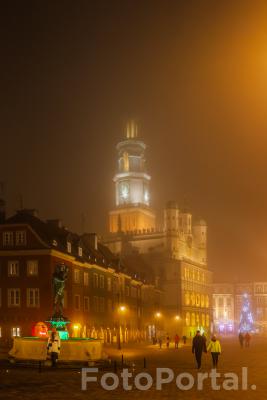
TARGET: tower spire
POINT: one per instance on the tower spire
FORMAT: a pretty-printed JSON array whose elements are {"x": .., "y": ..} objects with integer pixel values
[{"x": 131, "y": 129}]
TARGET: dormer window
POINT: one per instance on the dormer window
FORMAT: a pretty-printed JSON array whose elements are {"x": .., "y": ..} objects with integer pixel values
[
  {"x": 20, "y": 238},
  {"x": 80, "y": 251},
  {"x": 69, "y": 247},
  {"x": 54, "y": 243},
  {"x": 8, "y": 238}
]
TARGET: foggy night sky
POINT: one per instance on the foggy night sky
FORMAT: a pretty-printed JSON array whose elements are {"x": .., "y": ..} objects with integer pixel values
[{"x": 192, "y": 73}]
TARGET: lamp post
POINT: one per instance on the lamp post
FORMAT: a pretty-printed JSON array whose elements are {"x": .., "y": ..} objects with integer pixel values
[
  {"x": 121, "y": 311},
  {"x": 158, "y": 316}
]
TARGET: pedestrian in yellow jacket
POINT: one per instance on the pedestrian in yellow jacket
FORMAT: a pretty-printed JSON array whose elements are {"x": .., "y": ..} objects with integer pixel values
[{"x": 215, "y": 348}]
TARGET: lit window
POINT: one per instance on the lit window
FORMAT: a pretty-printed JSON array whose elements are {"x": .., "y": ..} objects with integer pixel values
[
  {"x": 76, "y": 276},
  {"x": 77, "y": 301},
  {"x": 109, "y": 285},
  {"x": 13, "y": 268},
  {"x": 33, "y": 297},
  {"x": 8, "y": 238},
  {"x": 20, "y": 238},
  {"x": 13, "y": 297},
  {"x": 86, "y": 278},
  {"x": 95, "y": 280},
  {"x": 69, "y": 247},
  {"x": 102, "y": 282},
  {"x": 86, "y": 303},
  {"x": 32, "y": 267},
  {"x": 15, "y": 332},
  {"x": 80, "y": 251}
]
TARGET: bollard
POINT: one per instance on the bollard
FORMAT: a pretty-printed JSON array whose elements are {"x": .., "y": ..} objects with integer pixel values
[
  {"x": 115, "y": 366},
  {"x": 122, "y": 360},
  {"x": 144, "y": 362},
  {"x": 40, "y": 366}
]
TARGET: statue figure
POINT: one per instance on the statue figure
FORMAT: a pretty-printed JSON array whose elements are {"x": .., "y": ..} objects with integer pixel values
[{"x": 59, "y": 278}]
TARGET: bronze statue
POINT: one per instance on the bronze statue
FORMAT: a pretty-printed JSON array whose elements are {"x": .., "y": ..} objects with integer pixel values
[{"x": 59, "y": 278}]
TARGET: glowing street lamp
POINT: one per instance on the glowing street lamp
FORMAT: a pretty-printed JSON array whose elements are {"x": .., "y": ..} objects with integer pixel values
[
  {"x": 158, "y": 315},
  {"x": 177, "y": 317},
  {"x": 122, "y": 309}
]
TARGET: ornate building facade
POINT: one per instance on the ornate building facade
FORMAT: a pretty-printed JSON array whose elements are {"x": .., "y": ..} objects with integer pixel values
[{"x": 174, "y": 256}]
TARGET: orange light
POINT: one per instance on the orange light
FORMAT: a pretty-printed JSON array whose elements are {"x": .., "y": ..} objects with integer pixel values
[
  {"x": 158, "y": 315},
  {"x": 177, "y": 317}
]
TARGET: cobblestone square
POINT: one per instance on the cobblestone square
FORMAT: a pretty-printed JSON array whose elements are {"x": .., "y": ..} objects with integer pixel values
[{"x": 63, "y": 383}]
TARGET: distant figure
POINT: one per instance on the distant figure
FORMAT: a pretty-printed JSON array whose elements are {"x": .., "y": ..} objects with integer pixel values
[
  {"x": 215, "y": 348},
  {"x": 160, "y": 342},
  {"x": 184, "y": 339},
  {"x": 167, "y": 341},
  {"x": 53, "y": 347},
  {"x": 247, "y": 339},
  {"x": 176, "y": 341},
  {"x": 241, "y": 339},
  {"x": 204, "y": 339},
  {"x": 198, "y": 346}
]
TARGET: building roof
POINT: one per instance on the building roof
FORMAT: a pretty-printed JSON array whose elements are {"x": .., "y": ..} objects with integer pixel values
[{"x": 56, "y": 236}]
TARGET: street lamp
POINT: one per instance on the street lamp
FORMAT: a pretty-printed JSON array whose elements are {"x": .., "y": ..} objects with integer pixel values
[
  {"x": 177, "y": 317},
  {"x": 121, "y": 310},
  {"x": 158, "y": 316}
]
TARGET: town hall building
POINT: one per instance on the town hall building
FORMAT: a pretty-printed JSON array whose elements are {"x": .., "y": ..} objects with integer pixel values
[{"x": 175, "y": 256}]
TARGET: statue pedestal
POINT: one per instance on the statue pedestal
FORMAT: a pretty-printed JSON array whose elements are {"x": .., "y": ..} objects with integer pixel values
[{"x": 60, "y": 324}]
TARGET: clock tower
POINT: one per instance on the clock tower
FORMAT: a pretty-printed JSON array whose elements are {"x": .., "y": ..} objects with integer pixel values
[{"x": 132, "y": 194}]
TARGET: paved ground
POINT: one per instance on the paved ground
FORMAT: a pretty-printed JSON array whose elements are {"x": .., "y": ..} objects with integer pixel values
[{"x": 26, "y": 383}]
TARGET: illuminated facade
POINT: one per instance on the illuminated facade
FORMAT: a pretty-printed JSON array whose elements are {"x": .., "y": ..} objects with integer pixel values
[
  {"x": 228, "y": 301},
  {"x": 224, "y": 308},
  {"x": 132, "y": 193},
  {"x": 174, "y": 254},
  {"x": 96, "y": 289}
]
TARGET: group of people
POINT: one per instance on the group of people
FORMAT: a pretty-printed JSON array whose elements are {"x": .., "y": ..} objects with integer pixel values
[
  {"x": 199, "y": 346},
  {"x": 168, "y": 341}
]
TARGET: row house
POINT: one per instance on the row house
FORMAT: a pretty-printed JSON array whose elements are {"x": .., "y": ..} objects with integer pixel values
[{"x": 101, "y": 298}]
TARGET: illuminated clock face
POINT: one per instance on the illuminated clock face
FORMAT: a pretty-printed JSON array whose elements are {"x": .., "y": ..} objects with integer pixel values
[{"x": 124, "y": 190}]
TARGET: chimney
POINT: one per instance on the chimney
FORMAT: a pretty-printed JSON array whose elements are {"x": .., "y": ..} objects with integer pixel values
[
  {"x": 90, "y": 239},
  {"x": 2, "y": 211},
  {"x": 56, "y": 223}
]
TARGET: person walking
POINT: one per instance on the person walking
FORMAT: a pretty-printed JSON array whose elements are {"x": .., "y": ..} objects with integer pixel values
[
  {"x": 241, "y": 339},
  {"x": 160, "y": 342},
  {"x": 53, "y": 347},
  {"x": 215, "y": 349},
  {"x": 247, "y": 339},
  {"x": 176, "y": 341},
  {"x": 168, "y": 341},
  {"x": 198, "y": 346},
  {"x": 184, "y": 339}
]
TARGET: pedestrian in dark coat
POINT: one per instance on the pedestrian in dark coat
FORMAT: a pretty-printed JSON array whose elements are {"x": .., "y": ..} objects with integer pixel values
[
  {"x": 198, "y": 346},
  {"x": 241, "y": 339}
]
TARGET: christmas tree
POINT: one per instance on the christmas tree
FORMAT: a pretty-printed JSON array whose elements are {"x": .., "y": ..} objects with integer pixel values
[{"x": 246, "y": 318}]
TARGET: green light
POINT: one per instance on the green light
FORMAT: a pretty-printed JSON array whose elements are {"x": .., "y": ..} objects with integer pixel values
[{"x": 64, "y": 335}]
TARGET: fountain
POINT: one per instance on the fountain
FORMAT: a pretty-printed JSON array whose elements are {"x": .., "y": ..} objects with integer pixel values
[{"x": 71, "y": 349}]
